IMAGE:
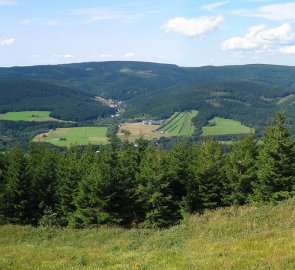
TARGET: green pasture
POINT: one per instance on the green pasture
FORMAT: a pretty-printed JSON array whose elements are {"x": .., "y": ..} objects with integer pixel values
[
  {"x": 75, "y": 135},
  {"x": 222, "y": 126},
  {"x": 237, "y": 238},
  {"x": 180, "y": 124},
  {"x": 30, "y": 116}
]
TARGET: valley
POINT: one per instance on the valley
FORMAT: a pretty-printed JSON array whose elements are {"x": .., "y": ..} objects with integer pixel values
[{"x": 112, "y": 93}]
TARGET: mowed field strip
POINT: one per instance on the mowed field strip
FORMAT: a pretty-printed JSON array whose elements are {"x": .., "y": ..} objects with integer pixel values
[
  {"x": 75, "y": 135},
  {"x": 30, "y": 116},
  {"x": 137, "y": 130},
  {"x": 180, "y": 124},
  {"x": 222, "y": 126}
]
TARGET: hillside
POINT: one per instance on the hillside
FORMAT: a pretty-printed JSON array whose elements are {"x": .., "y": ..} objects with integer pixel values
[
  {"x": 250, "y": 93},
  {"x": 247, "y": 237}
]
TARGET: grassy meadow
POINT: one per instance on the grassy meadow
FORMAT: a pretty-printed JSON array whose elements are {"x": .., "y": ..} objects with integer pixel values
[
  {"x": 137, "y": 130},
  {"x": 235, "y": 238},
  {"x": 180, "y": 123},
  {"x": 222, "y": 126},
  {"x": 30, "y": 116},
  {"x": 75, "y": 135}
]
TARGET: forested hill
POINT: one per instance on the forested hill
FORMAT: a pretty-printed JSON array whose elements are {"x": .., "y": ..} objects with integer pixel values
[{"x": 249, "y": 93}]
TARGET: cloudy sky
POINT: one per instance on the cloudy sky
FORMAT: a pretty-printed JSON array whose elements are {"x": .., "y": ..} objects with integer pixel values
[{"x": 182, "y": 32}]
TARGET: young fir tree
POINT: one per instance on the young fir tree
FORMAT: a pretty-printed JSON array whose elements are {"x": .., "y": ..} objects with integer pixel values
[
  {"x": 17, "y": 198},
  {"x": 68, "y": 177},
  {"x": 179, "y": 160},
  {"x": 2, "y": 186},
  {"x": 205, "y": 187},
  {"x": 128, "y": 167},
  {"x": 96, "y": 199},
  {"x": 42, "y": 169},
  {"x": 276, "y": 163},
  {"x": 155, "y": 190},
  {"x": 240, "y": 170}
]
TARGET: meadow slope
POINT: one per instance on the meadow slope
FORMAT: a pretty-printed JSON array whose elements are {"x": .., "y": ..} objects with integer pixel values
[{"x": 232, "y": 238}]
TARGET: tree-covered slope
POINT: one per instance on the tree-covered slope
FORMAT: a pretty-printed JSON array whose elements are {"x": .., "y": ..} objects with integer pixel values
[
  {"x": 64, "y": 103},
  {"x": 249, "y": 93}
]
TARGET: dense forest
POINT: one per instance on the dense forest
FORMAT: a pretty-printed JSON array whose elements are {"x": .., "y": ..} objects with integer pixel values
[
  {"x": 250, "y": 93},
  {"x": 143, "y": 185}
]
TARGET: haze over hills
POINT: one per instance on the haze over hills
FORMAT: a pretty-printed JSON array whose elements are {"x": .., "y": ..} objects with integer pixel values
[{"x": 249, "y": 93}]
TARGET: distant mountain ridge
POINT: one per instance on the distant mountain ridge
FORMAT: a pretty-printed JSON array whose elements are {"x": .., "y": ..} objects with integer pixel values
[{"x": 248, "y": 93}]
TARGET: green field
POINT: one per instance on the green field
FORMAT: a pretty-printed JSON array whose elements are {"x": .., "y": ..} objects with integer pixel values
[
  {"x": 30, "y": 116},
  {"x": 75, "y": 135},
  {"x": 222, "y": 126},
  {"x": 180, "y": 123},
  {"x": 232, "y": 238}
]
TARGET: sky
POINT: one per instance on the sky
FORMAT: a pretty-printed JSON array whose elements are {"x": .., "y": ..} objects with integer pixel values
[{"x": 181, "y": 32}]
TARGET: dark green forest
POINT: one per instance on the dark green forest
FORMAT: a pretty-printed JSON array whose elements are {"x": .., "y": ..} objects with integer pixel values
[
  {"x": 142, "y": 184},
  {"x": 249, "y": 93}
]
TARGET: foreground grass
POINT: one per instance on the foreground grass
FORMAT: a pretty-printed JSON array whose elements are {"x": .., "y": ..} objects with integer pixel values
[
  {"x": 30, "y": 116},
  {"x": 231, "y": 238},
  {"x": 180, "y": 124},
  {"x": 222, "y": 126},
  {"x": 75, "y": 135}
]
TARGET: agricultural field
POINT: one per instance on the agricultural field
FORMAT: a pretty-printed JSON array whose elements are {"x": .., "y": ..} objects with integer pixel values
[
  {"x": 246, "y": 237},
  {"x": 30, "y": 116},
  {"x": 180, "y": 124},
  {"x": 75, "y": 135},
  {"x": 222, "y": 126},
  {"x": 133, "y": 131}
]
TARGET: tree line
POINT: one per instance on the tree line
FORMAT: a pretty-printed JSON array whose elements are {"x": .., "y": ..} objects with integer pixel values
[{"x": 143, "y": 185}]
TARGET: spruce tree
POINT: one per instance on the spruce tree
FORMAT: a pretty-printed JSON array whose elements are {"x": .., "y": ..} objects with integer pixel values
[
  {"x": 42, "y": 169},
  {"x": 17, "y": 198},
  {"x": 205, "y": 187},
  {"x": 240, "y": 170},
  {"x": 155, "y": 192},
  {"x": 94, "y": 200},
  {"x": 276, "y": 163},
  {"x": 68, "y": 177}
]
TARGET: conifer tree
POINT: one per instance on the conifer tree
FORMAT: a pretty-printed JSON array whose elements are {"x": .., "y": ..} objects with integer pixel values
[
  {"x": 204, "y": 190},
  {"x": 240, "y": 170},
  {"x": 276, "y": 163},
  {"x": 68, "y": 177},
  {"x": 94, "y": 200},
  {"x": 42, "y": 169},
  {"x": 155, "y": 192},
  {"x": 17, "y": 190}
]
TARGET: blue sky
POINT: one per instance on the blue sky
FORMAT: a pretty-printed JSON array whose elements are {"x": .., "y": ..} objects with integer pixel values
[{"x": 182, "y": 32}]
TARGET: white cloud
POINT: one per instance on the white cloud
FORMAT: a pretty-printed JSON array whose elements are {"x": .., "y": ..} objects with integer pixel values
[
  {"x": 284, "y": 11},
  {"x": 129, "y": 55},
  {"x": 7, "y": 2},
  {"x": 105, "y": 56},
  {"x": 287, "y": 50},
  {"x": 195, "y": 27},
  {"x": 61, "y": 56},
  {"x": 6, "y": 42},
  {"x": 262, "y": 39},
  {"x": 68, "y": 56},
  {"x": 211, "y": 7},
  {"x": 36, "y": 56}
]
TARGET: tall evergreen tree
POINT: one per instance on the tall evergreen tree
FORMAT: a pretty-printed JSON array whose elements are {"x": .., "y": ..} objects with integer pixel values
[
  {"x": 95, "y": 198},
  {"x": 205, "y": 187},
  {"x": 17, "y": 190},
  {"x": 42, "y": 169},
  {"x": 155, "y": 190},
  {"x": 240, "y": 170},
  {"x": 68, "y": 177},
  {"x": 276, "y": 163}
]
